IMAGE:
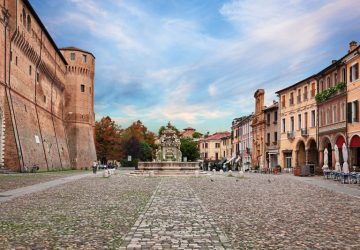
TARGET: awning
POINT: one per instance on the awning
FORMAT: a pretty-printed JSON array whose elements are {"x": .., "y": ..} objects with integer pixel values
[{"x": 231, "y": 159}]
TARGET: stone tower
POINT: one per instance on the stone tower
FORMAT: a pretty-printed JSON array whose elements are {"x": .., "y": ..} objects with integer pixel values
[
  {"x": 258, "y": 130},
  {"x": 79, "y": 113}
]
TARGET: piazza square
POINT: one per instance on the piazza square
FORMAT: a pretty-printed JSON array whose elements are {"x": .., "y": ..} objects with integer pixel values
[{"x": 183, "y": 124}]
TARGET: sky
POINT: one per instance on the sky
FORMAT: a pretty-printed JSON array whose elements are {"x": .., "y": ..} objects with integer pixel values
[{"x": 198, "y": 63}]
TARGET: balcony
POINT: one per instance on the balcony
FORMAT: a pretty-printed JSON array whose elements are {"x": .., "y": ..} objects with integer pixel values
[
  {"x": 328, "y": 93},
  {"x": 304, "y": 132},
  {"x": 290, "y": 135},
  {"x": 340, "y": 126}
]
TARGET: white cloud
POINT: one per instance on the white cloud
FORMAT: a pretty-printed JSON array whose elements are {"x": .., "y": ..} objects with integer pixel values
[{"x": 212, "y": 89}]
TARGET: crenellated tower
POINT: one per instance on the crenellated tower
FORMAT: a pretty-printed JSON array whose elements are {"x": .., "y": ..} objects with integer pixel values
[{"x": 79, "y": 113}]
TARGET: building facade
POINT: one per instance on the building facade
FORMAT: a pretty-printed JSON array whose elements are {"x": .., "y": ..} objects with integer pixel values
[
  {"x": 226, "y": 147},
  {"x": 258, "y": 131},
  {"x": 331, "y": 112},
  {"x": 187, "y": 133},
  {"x": 46, "y": 118},
  {"x": 210, "y": 146},
  {"x": 352, "y": 61},
  {"x": 272, "y": 132},
  {"x": 298, "y": 117}
]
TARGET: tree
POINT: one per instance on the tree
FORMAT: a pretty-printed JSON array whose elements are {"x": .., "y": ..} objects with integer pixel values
[
  {"x": 107, "y": 139},
  {"x": 189, "y": 148},
  {"x": 138, "y": 142},
  {"x": 162, "y": 128},
  {"x": 197, "y": 134}
]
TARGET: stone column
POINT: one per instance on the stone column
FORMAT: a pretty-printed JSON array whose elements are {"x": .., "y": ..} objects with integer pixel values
[
  {"x": 306, "y": 156},
  {"x": 333, "y": 159}
]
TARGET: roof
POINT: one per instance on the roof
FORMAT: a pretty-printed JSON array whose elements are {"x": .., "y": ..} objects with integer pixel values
[
  {"x": 320, "y": 72},
  {"x": 241, "y": 119},
  {"x": 295, "y": 84},
  {"x": 37, "y": 18},
  {"x": 217, "y": 136},
  {"x": 188, "y": 128},
  {"x": 272, "y": 106},
  {"x": 72, "y": 48}
]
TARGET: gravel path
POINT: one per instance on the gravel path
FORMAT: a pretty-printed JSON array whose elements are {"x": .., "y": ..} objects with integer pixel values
[
  {"x": 175, "y": 219},
  {"x": 91, "y": 213},
  {"x": 277, "y": 212}
]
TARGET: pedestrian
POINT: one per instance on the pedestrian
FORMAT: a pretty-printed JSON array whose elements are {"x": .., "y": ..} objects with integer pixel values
[{"x": 94, "y": 167}]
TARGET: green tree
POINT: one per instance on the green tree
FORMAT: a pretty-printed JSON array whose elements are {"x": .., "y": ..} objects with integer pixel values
[
  {"x": 162, "y": 128},
  {"x": 197, "y": 134},
  {"x": 189, "y": 148}
]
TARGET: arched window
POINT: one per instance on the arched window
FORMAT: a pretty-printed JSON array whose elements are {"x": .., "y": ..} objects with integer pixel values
[
  {"x": 322, "y": 87},
  {"x": 24, "y": 17},
  {"x": 343, "y": 75},
  {"x": 328, "y": 82},
  {"x": 28, "y": 23},
  {"x": 335, "y": 78}
]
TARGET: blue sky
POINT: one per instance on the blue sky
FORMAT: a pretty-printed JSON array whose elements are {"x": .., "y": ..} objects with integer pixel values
[{"x": 198, "y": 62}]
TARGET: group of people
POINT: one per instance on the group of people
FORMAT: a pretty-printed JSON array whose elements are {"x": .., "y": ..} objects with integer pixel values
[{"x": 109, "y": 165}]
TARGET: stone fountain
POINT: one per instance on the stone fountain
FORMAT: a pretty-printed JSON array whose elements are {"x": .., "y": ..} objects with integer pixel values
[{"x": 168, "y": 158}]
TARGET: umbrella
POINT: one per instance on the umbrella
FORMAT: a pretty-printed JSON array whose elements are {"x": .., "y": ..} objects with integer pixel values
[
  {"x": 326, "y": 160},
  {"x": 337, "y": 164},
  {"x": 345, "y": 156}
]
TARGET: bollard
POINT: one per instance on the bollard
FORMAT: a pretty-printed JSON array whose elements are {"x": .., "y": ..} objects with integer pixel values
[
  {"x": 241, "y": 174},
  {"x": 105, "y": 174},
  {"x": 230, "y": 173},
  {"x": 197, "y": 173},
  {"x": 221, "y": 171},
  {"x": 214, "y": 171},
  {"x": 152, "y": 174}
]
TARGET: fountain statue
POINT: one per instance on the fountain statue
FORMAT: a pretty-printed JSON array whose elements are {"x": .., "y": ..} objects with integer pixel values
[
  {"x": 168, "y": 158},
  {"x": 169, "y": 146}
]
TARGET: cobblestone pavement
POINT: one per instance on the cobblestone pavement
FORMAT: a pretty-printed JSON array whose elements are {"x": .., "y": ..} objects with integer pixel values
[
  {"x": 13, "y": 181},
  {"x": 277, "y": 212},
  {"x": 90, "y": 213},
  {"x": 175, "y": 219}
]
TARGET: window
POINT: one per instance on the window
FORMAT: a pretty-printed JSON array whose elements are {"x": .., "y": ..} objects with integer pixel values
[
  {"x": 334, "y": 114},
  {"x": 313, "y": 118},
  {"x": 354, "y": 72},
  {"x": 299, "y": 121},
  {"x": 84, "y": 58},
  {"x": 313, "y": 90},
  {"x": 288, "y": 160},
  {"x": 268, "y": 119},
  {"x": 275, "y": 137},
  {"x": 343, "y": 75},
  {"x": 328, "y": 84},
  {"x": 37, "y": 76},
  {"x": 306, "y": 120},
  {"x": 335, "y": 78},
  {"x": 206, "y": 145},
  {"x": 343, "y": 108},
  {"x": 28, "y": 23},
  {"x": 291, "y": 101},
  {"x": 305, "y": 93},
  {"x": 24, "y": 16},
  {"x": 353, "y": 111},
  {"x": 90, "y": 90},
  {"x": 30, "y": 69},
  {"x": 217, "y": 145},
  {"x": 268, "y": 138},
  {"x": 275, "y": 116},
  {"x": 328, "y": 114},
  {"x": 299, "y": 96},
  {"x": 283, "y": 125},
  {"x": 82, "y": 88},
  {"x": 44, "y": 98},
  {"x": 283, "y": 101},
  {"x": 10, "y": 56},
  {"x": 292, "y": 124},
  {"x": 72, "y": 56}
]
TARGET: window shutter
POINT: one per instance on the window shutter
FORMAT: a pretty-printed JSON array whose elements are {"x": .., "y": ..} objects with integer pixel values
[
  {"x": 351, "y": 68},
  {"x": 349, "y": 112},
  {"x": 356, "y": 74},
  {"x": 356, "y": 111}
]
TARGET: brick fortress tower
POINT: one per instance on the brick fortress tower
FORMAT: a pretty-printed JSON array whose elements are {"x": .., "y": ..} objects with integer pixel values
[{"x": 79, "y": 113}]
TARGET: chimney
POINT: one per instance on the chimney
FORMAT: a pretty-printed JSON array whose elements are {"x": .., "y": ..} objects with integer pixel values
[{"x": 352, "y": 45}]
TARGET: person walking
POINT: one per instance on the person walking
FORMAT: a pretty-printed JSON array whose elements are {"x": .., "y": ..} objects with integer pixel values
[{"x": 94, "y": 167}]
